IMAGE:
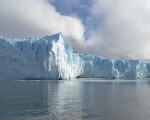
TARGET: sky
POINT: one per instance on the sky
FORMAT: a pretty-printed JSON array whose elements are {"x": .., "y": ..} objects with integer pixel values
[{"x": 116, "y": 29}]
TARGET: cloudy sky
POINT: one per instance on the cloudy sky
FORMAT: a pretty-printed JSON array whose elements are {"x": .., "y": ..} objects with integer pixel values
[{"x": 111, "y": 28}]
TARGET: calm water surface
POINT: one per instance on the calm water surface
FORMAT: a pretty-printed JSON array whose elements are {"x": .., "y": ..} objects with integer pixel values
[{"x": 75, "y": 100}]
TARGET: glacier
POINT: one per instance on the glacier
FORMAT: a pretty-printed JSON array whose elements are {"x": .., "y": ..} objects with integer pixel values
[{"x": 51, "y": 59}]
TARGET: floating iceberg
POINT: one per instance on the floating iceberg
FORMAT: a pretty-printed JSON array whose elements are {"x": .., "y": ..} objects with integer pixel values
[{"x": 50, "y": 58}]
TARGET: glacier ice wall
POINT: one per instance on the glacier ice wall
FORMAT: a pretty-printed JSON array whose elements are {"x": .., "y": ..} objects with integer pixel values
[
  {"x": 99, "y": 67},
  {"x": 50, "y": 58},
  {"x": 44, "y": 58}
]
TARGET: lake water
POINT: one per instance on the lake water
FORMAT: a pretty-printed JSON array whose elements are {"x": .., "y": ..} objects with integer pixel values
[{"x": 75, "y": 100}]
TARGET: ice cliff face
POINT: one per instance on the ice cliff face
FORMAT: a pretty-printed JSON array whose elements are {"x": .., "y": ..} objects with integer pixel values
[
  {"x": 50, "y": 58},
  {"x": 44, "y": 58},
  {"x": 99, "y": 67}
]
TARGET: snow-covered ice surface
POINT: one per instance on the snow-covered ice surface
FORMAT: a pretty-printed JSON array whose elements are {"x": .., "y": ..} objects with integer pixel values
[{"x": 50, "y": 58}]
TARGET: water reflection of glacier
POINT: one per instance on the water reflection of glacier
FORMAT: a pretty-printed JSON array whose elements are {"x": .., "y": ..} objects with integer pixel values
[
  {"x": 75, "y": 100},
  {"x": 65, "y": 100}
]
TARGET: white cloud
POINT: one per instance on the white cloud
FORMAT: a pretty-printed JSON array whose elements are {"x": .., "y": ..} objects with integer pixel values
[
  {"x": 123, "y": 26},
  {"x": 123, "y": 29},
  {"x": 24, "y": 18}
]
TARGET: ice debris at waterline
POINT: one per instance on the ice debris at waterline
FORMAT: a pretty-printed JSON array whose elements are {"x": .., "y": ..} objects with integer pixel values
[{"x": 50, "y": 58}]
